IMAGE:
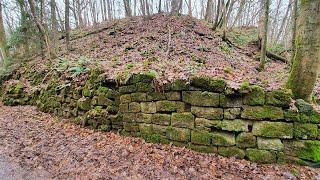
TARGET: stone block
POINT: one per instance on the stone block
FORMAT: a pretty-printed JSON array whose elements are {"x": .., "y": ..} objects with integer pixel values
[
  {"x": 145, "y": 128},
  {"x": 173, "y": 96},
  {"x": 246, "y": 140},
  {"x": 129, "y": 117},
  {"x": 262, "y": 112},
  {"x": 261, "y": 156},
  {"x": 305, "y": 131},
  {"x": 208, "y": 84},
  {"x": 203, "y": 149},
  {"x": 161, "y": 119},
  {"x": 232, "y": 113},
  {"x": 184, "y": 120},
  {"x": 128, "y": 89},
  {"x": 270, "y": 144},
  {"x": 125, "y": 98},
  {"x": 230, "y": 101},
  {"x": 278, "y": 98},
  {"x": 148, "y": 107},
  {"x": 206, "y": 124},
  {"x": 143, "y": 117},
  {"x": 124, "y": 107},
  {"x": 131, "y": 127},
  {"x": 232, "y": 152},
  {"x": 223, "y": 139},
  {"x": 169, "y": 106},
  {"x": 134, "y": 107},
  {"x": 178, "y": 134},
  {"x": 273, "y": 129},
  {"x": 155, "y": 96},
  {"x": 201, "y": 137},
  {"x": 158, "y": 129},
  {"x": 207, "y": 112},
  {"x": 256, "y": 97},
  {"x": 199, "y": 98},
  {"x": 236, "y": 125},
  {"x": 138, "y": 97}
]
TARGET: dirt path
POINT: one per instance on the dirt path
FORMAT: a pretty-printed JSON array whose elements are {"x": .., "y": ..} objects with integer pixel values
[{"x": 37, "y": 145}]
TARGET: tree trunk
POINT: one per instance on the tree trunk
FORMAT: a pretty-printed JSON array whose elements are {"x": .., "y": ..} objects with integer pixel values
[
  {"x": 283, "y": 22},
  {"x": 54, "y": 23},
  {"x": 265, "y": 35},
  {"x": 208, "y": 15},
  {"x": 294, "y": 29},
  {"x": 42, "y": 30},
  {"x": 127, "y": 7},
  {"x": 24, "y": 26},
  {"x": 236, "y": 19},
  {"x": 3, "y": 41},
  {"x": 67, "y": 23},
  {"x": 306, "y": 63},
  {"x": 189, "y": 8}
]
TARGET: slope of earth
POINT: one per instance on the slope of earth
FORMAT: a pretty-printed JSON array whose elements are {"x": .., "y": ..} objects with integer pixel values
[
  {"x": 39, "y": 142},
  {"x": 174, "y": 47}
]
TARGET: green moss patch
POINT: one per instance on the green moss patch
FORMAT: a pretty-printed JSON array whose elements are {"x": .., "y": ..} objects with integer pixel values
[{"x": 262, "y": 112}]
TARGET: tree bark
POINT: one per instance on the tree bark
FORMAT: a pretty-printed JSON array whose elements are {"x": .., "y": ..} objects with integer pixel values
[
  {"x": 67, "y": 23},
  {"x": 3, "y": 40},
  {"x": 208, "y": 16},
  {"x": 265, "y": 35},
  {"x": 306, "y": 63},
  {"x": 294, "y": 29},
  {"x": 54, "y": 23}
]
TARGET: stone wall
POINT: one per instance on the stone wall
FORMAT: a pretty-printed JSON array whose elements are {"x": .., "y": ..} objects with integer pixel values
[{"x": 202, "y": 114}]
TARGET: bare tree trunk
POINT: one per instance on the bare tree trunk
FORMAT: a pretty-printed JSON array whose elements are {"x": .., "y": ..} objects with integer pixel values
[
  {"x": 283, "y": 22},
  {"x": 208, "y": 15},
  {"x": 236, "y": 19},
  {"x": 265, "y": 35},
  {"x": 67, "y": 23},
  {"x": 306, "y": 63},
  {"x": 127, "y": 7},
  {"x": 54, "y": 23},
  {"x": 24, "y": 17},
  {"x": 159, "y": 7},
  {"x": 189, "y": 8},
  {"x": 294, "y": 29},
  {"x": 3, "y": 40},
  {"x": 109, "y": 6},
  {"x": 42, "y": 30},
  {"x": 175, "y": 7}
]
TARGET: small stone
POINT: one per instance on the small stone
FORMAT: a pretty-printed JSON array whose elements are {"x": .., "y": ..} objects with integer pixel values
[
  {"x": 305, "y": 131},
  {"x": 166, "y": 106},
  {"x": 232, "y": 113},
  {"x": 161, "y": 119},
  {"x": 124, "y": 107},
  {"x": 256, "y": 97},
  {"x": 125, "y": 98},
  {"x": 139, "y": 97},
  {"x": 173, "y": 96},
  {"x": 205, "y": 124},
  {"x": 231, "y": 102},
  {"x": 142, "y": 117}
]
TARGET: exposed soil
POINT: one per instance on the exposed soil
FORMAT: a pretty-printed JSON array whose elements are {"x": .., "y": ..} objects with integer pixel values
[{"x": 44, "y": 146}]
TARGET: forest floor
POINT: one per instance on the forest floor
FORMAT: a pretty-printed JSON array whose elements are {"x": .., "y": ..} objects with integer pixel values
[{"x": 35, "y": 145}]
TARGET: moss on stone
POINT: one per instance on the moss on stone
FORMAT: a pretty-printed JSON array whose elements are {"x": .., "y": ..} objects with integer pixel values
[
  {"x": 232, "y": 152},
  {"x": 155, "y": 96},
  {"x": 280, "y": 98},
  {"x": 124, "y": 107},
  {"x": 311, "y": 151},
  {"x": 178, "y": 134},
  {"x": 128, "y": 89},
  {"x": 159, "y": 129},
  {"x": 167, "y": 106},
  {"x": 232, "y": 113},
  {"x": 146, "y": 128},
  {"x": 143, "y": 78},
  {"x": 206, "y": 124},
  {"x": 246, "y": 140},
  {"x": 262, "y": 112},
  {"x": 139, "y": 97},
  {"x": 84, "y": 104},
  {"x": 245, "y": 87},
  {"x": 199, "y": 98},
  {"x": 230, "y": 101},
  {"x": 202, "y": 148},
  {"x": 261, "y": 156},
  {"x": 207, "y": 112},
  {"x": 144, "y": 118},
  {"x": 305, "y": 131},
  {"x": 292, "y": 115},
  {"x": 161, "y": 119},
  {"x": 183, "y": 120},
  {"x": 255, "y": 97},
  {"x": 178, "y": 85},
  {"x": 201, "y": 137},
  {"x": 144, "y": 87},
  {"x": 208, "y": 84},
  {"x": 153, "y": 138},
  {"x": 303, "y": 106},
  {"x": 134, "y": 107},
  {"x": 270, "y": 144},
  {"x": 131, "y": 127},
  {"x": 173, "y": 96},
  {"x": 236, "y": 125},
  {"x": 223, "y": 139},
  {"x": 148, "y": 107},
  {"x": 273, "y": 129},
  {"x": 125, "y": 98},
  {"x": 129, "y": 117}
]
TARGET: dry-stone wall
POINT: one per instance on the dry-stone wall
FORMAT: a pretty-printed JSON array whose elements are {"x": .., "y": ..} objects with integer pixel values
[{"x": 201, "y": 113}]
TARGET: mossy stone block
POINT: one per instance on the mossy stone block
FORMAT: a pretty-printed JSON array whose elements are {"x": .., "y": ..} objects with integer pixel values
[
  {"x": 232, "y": 152},
  {"x": 303, "y": 106},
  {"x": 84, "y": 104},
  {"x": 208, "y": 84},
  {"x": 153, "y": 138},
  {"x": 246, "y": 140},
  {"x": 199, "y": 98},
  {"x": 206, "y": 124},
  {"x": 278, "y": 98},
  {"x": 143, "y": 78},
  {"x": 159, "y": 129},
  {"x": 179, "y": 85},
  {"x": 270, "y": 144},
  {"x": 315, "y": 117},
  {"x": 161, "y": 119},
  {"x": 129, "y": 117},
  {"x": 178, "y": 134},
  {"x": 232, "y": 113},
  {"x": 262, "y": 112},
  {"x": 184, "y": 120},
  {"x": 311, "y": 151},
  {"x": 201, "y": 137},
  {"x": 273, "y": 129},
  {"x": 124, "y": 107},
  {"x": 146, "y": 128},
  {"x": 144, "y": 118},
  {"x": 155, "y": 96},
  {"x": 256, "y": 97},
  {"x": 126, "y": 98},
  {"x": 223, "y": 139},
  {"x": 134, "y": 107},
  {"x": 144, "y": 87},
  {"x": 101, "y": 101},
  {"x": 139, "y": 97},
  {"x": 148, "y": 107},
  {"x": 173, "y": 96},
  {"x": 292, "y": 115},
  {"x": 167, "y": 106},
  {"x": 128, "y": 89},
  {"x": 203, "y": 149},
  {"x": 230, "y": 101},
  {"x": 293, "y": 147},
  {"x": 236, "y": 125},
  {"x": 261, "y": 156},
  {"x": 131, "y": 127},
  {"x": 207, "y": 112},
  {"x": 305, "y": 130}
]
